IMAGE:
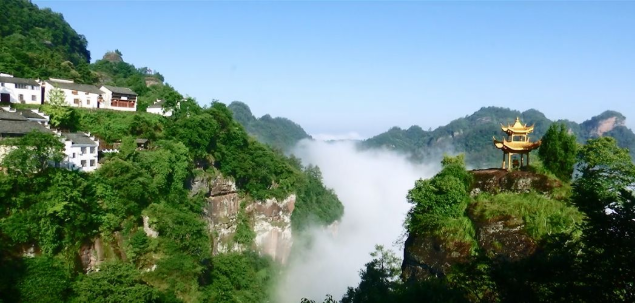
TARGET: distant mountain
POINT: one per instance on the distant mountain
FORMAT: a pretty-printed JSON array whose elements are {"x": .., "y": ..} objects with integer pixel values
[
  {"x": 278, "y": 132},
  {"x": 473, "y": 134}
]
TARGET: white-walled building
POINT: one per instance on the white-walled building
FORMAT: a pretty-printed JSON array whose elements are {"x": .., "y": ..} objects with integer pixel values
[
  {"x": 157, "y": 108},
  {"x": 19, "y": 90},
  {"x": 81, "y": 152},
  {"x": 118, "y": 98},
  {"x": 77, "y": 95}
]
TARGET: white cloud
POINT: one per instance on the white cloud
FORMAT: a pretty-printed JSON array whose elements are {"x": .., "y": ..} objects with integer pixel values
[
  {"x": 341, "y": 136},
  {"x": 373, "y": 186}
]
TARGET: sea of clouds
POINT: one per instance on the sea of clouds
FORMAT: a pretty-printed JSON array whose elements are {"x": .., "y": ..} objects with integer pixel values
[{"x": 372, "y": 185}]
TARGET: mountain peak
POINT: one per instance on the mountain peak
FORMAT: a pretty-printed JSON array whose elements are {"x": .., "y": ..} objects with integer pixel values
[{"x": 605, "y": 122}]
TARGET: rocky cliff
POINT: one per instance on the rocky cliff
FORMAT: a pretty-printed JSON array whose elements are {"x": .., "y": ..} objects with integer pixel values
[
  {"x": 497, "y": 234},
  {"x": 270, "y": 220}
]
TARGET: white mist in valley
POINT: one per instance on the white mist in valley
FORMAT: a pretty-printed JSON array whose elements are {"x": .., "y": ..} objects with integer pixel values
[{"x": 373, "y": 186}]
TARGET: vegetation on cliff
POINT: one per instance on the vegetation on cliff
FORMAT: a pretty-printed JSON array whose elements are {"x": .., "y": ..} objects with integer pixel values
[
  {"x": 58, "y": 212},
  {"x": 528, "y": 245}
]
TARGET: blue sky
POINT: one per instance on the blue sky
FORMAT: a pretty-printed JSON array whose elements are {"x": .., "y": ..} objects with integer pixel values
[{"x": 365, "y": 66}]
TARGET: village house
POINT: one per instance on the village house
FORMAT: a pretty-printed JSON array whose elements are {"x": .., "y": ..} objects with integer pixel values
[
  {"x": 118, "y": 98},
  {"x": 19, "y": 90},
  {"x": 76, "y": 95},
  {"x": 35, "y": 115},
  {"x": 81, "y": 151},
  {"x": 13, "y": 125},
  {"x": 158, "y": 108}
]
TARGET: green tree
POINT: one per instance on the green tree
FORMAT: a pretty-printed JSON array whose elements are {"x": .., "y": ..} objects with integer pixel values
[
  {"x": 441, "y": 197},
  {"x": 114, "y": 282},
  {"x": 606, "y": 269},
  {"x": 35, "y": 152},
  {"x": 61, "y": 114},
  {"x": 604, "y": 170},
  {"x": 379, "y": 279},
  {"x": 558, "y": 151},
  {"x": 44, "y": 279}
]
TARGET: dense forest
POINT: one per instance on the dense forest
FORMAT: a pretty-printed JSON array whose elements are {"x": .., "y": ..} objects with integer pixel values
[
  {"x": 53, "y": 218},
  {"x": 280, "y": 133},
  {"x": 55, "y": 211},
  {"x": 38, "y": 43},
  {"x": 465, "y": 135}
]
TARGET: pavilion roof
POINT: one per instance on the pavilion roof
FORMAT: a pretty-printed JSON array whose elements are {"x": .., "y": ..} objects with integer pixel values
[
  {"x": 517, "y": 128},
  {"x": 516, "y": 146}
]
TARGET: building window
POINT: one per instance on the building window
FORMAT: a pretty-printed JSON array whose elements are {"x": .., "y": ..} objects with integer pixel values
[
  {"x": 33, "y": 98},
  {"x": 92, "y": 162},
  {"x": 73, "y": 155},
  {"x": 88, "y": 101},
  {"x": 74, "y": 92},
  {"x": 1, "y": 84},
  {"x": 21, "y": 97},
  {"x": 92, "y": 150},
  {"x": 83, "y": 163},
  {"x": 83, "y": 150},
  {"x": 34, "y": 87},
  {"x": 76, "y": 101},
  {"x": 20, "y": 86}
]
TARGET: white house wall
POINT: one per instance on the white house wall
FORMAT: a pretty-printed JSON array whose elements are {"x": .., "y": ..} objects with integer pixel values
[
  {"x": 86, "y": 100},
  {"x": 29, "y": 93},
  {"x": 159, "y": 111},
  {"x": 74, "y": 157}
]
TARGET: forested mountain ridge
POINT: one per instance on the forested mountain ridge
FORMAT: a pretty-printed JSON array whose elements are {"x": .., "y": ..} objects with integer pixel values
[
  {"x": 278, "y": 132},
  {"x": 38, "y": 43},
  {"x": 472, "y": 134}
]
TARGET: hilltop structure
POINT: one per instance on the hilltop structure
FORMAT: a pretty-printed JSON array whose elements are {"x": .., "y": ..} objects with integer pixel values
[{"x": 516, "y": 143}]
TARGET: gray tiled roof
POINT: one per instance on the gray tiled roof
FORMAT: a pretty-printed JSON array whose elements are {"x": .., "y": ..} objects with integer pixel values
[
  {"x": 79, "y": 139},
  {"x": 30, "y": 114},
  {"x": 76, "y": 87},
  {"x": 20, "y": 127},
  {"x": 157, "y": 105},
  {"x": 11, "y": 116},
  {"x": 120, "y": 90},
  {"x": 18, "y": 80}
]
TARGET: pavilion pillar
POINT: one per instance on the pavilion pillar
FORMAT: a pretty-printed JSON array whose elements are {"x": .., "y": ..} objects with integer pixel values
[
  {"x": 504, "y": 156},
  {"x": 509, "y": 161},
  {"x": 527, "y": 159},
  {"x": 522, "y": 160}
]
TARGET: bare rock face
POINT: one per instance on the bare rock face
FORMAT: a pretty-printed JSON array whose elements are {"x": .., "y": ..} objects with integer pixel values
[
  {"x": 150, "y": 81},
  {"x": 271, "y": 220},
  {"x": 430, "y": 256},
  {"x": 91, "y": 255},
  {"x": 500, "y": 180},
  {"x": 504, "y": 238},
  {"x": 607, "y": 125},
  {"x": 112, "y": 57},
  {"x": 147, "y": 229},
  {"x": 272, "y": 225}
]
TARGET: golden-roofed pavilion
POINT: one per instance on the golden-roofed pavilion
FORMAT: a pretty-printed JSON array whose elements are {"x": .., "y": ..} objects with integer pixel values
[{"x": 517, "y": 142}]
